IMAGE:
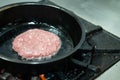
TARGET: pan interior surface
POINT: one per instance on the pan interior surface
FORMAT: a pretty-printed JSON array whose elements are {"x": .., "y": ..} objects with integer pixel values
[
  {"x": 8, "y": 37},
  {"x": 18, "y": 19}
]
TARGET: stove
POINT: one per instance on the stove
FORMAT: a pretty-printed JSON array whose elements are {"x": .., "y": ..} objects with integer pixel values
[{"x": 99, "y": 52}]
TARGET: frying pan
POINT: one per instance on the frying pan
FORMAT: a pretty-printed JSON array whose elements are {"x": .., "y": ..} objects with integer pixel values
[{"x": 19, "y": 17}]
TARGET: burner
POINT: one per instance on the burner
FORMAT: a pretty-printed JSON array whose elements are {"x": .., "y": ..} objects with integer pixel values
[{"x": 69, "y": 73}]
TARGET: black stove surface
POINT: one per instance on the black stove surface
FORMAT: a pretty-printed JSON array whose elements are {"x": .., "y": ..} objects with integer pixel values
[{"x": 99, "y": 52}]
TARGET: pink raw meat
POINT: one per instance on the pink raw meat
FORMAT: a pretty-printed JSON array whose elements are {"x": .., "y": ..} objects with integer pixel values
[{"x": 36, "y": 43}]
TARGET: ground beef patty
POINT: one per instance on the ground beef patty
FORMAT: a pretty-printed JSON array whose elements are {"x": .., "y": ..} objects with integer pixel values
[{"x": 36, "y": 43}]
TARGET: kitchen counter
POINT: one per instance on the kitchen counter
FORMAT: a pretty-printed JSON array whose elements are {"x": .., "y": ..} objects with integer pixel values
[{"x": 105, "y": 13}]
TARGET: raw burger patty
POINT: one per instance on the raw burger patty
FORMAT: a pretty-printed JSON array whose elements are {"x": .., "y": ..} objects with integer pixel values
[{"x": 36, "y": 43}]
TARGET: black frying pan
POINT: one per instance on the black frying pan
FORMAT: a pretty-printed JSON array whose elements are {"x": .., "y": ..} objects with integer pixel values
[{"x": 17, "y": 18}]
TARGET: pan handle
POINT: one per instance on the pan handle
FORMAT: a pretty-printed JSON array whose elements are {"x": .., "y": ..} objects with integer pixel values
[
  {"x": 47, "y": 2},
  {"x": 44, "y": 0}
]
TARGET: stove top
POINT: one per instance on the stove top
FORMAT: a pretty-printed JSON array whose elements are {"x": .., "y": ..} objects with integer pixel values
[{"x": 99, "y": 52}]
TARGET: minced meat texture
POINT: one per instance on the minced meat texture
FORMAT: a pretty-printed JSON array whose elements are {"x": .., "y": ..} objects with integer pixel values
[{"x": 36, "y": 43}]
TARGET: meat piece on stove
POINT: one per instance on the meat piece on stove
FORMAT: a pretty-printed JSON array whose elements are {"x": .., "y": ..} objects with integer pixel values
[{"x": 36, "y": 44}]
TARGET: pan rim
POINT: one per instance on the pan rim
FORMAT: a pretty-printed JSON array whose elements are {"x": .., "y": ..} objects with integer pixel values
[{"x": 53, "y": 6}]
